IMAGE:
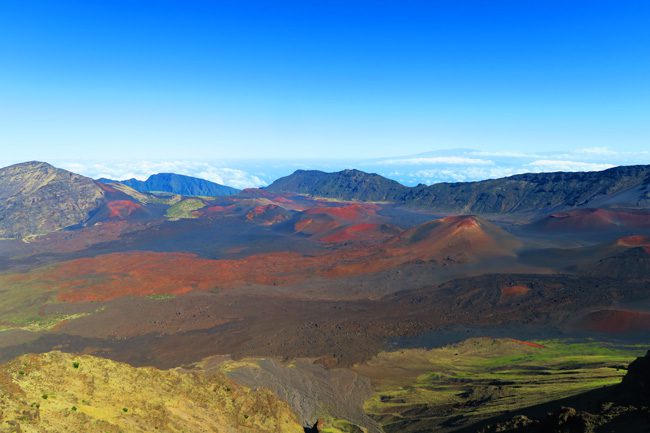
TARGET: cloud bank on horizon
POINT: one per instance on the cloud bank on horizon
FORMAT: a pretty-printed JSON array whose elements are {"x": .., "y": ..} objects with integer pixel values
[
  {"x": 141, "y": 170},
  {"x": 452, "y": 165},
  {"x": 463, "y": 165}
]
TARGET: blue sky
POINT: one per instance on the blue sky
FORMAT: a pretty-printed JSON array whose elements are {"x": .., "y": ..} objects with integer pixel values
[{"x": 326, "y": 83}]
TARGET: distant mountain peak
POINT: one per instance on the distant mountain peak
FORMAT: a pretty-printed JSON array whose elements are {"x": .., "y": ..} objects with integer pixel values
[
  {"x": 349, "y": 184},
  {"x": 177, "y": 184},
  {"x": 37, "y": 198}
]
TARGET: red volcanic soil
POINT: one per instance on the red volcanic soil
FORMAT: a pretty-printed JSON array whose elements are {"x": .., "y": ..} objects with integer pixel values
[
  {"x": 115, "y": 275},
  {"x": 635, "y": 241},
  {"x": 616, "y": 321},
  {"x": 458, "y": 239},
  {"x": 444, "y": 228},
  {"x": 350, "y": 212},
  {"x": 268, "y": 214},
  {"x": 216, "y": 209},
  {"x": 259, "y": 210},
  {"x": 261, "y": 196},
  {"x": 283, "y": 200},
  {"x": 352, "y": 232},
  {"x": 514, "y": 291},
  {"x": 316, "y": 226},
  {"x": 119, "y": 205},
  {"x": 122, "y": 208},
  {"x": 595, "y": 219},
  {"x": 279, "y": 199},
  {"x": 329, "y": 221},
  {"x": 529, "y": 343},
  {"x": 110, "y": 276},
  {"x": 461, "y": 236}
]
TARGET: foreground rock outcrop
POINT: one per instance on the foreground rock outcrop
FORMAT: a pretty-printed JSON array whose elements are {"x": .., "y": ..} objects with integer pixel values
[{"x": 58, "y": 392}]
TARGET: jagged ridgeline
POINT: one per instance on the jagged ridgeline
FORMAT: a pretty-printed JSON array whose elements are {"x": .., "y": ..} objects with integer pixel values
[
  {"x": 177, "y": 184},
  {"x": 534, "y": 192},
  {"x": 39, "y": 198}
]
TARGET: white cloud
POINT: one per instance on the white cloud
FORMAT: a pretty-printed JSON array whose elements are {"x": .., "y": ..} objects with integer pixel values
[
  {"x": 566, "y": 165},
  {"x": 595, "y": 151},
  {"x": 120, "y": 170},
  {"x": 231, "y": 177},
  {"x": 505, "y": 154},
  {"x": 452, "y": 165},
  {"x": 467, "y": 174},
  {"x": 449, "y": 160}
]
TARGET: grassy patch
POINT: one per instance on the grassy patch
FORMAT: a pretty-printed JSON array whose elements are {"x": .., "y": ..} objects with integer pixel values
[
  {"x": 485, "y": 377},
  {"x": 22, "y": 302},
  {"x": 184, "y": 209},
  {"x": 44, "y": 323},
  {"x": 341, "y": 426},
  {"x": 161, "y": 297}
]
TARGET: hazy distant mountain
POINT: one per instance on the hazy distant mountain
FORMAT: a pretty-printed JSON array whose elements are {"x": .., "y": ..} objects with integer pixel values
[
  {"x": 177, "y": 184},
  {"x": 627, "y": 186},
  {"x": 36, "y": 198},
  {"x": 346, "y": 185}
]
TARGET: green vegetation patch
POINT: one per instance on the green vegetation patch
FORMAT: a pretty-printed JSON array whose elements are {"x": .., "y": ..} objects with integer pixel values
[
  {"x": 43, "y": 323},
  {"x": 184, "y": 209},
  {"x": 161, "y": 297},
  {"x": 341, "y": 426},
  {"x": 484, "y": 377},
  {"x": 22, "y": 302}
]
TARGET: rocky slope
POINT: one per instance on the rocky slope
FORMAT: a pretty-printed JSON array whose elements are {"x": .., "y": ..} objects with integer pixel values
[
  {"x": 345, "y": 185},
  {"x": 628, "y": 264},
  {"x": 57, "y": 392},
  {"x": 36, "y": 198},
  {"x": 627, "y": 186},
  {"x": 178, "y": 184},
  {"x": 532, "y": 192}
]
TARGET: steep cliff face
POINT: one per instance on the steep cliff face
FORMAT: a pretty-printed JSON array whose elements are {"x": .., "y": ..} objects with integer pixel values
[
  {"x": 533, "y": 192},
  {"x": 36, "y": 198},
  {"x": 626, "y": 186}
]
